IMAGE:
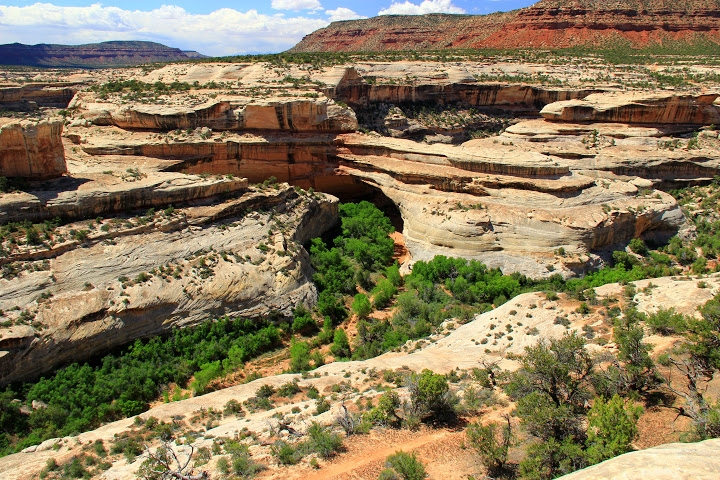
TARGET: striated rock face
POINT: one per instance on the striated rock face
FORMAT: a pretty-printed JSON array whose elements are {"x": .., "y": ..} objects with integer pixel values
[
  {"x": 294, "y": 115},
  {"x": 548, "y": 23},
  {"x": 674, "y": 461},
  {"x": 526, "y": 98},
  {"x": 32, "y": 149},
  {"x": 86, "y": 199},
  {"x": 637, "y": 107},
  {"x": 513, "y": 215},
  {"x": 33, "y": 95},
  {"x": 201, "y": 262}
]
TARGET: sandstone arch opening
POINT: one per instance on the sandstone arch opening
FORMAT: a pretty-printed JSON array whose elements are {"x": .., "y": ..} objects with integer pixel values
[{"x": 376, "y": 196}]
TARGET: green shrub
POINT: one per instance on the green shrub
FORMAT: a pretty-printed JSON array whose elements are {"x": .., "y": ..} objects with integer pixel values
[
  {"x": 303, "y": 322},
  {"x": 285, "y": 453},
  {"x": 341, "y": 345},
  {"x": 666, "y": 322},
  {"x": 361, "y": 306},
  {"x": 406, "y": 465},
  {"x": 323, "y": 441},
  {"x": 639, "y": 247},
  {"x": 430, "y": 396},
  {"x": 299, "y": 356},
  {"x": 385, "y": 413},
  {"x": 288, "y": 389},
  {"x": 207, "y": 373},
  {"x": 612, "y": 427},
  {"x": 492, "y": 443}
]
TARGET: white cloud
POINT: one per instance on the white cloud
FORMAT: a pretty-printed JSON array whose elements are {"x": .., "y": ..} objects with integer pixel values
[
  {"x": 222, "y": 32},
  {"x": 342, "y": 13},
  {"x": 427, "y": 6},
  {"x": 296, "y": 5}
]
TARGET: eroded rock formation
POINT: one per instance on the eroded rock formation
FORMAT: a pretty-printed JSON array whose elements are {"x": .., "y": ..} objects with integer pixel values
[
  {"x": 294, "y": 115},
  {"x": 34, "y": 95},
  {"x": 173, "y": 270},
  {"x": 32, "y": 149},
  {"x": 548, "y": 23},
  {"x": 637, "y": 107}
]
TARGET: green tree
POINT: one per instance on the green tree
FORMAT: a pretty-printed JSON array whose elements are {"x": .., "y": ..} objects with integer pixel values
[
  {"x": 492, "y": 443},
  {"x": 637, "y": 371},
  {"x": 560, "y": 369},
  {"x": 341, "y": 345},
  {"x": 361, "y": 306},
  {"x": 299, "y": 356},
  {"x": 612, "y": 427},
  {"x": 430, "y": 396},
  {"x": 330, "y": 304},
  {"x": 303, "y": 322},
  {"x": 365, "y": 231},
  {"x": 551, "y": 389}
]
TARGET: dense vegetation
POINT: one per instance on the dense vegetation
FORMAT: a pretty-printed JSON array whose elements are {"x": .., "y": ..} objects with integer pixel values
[
  {"x": 80, "y": 397},
  {"x": 588, "y": 416}
]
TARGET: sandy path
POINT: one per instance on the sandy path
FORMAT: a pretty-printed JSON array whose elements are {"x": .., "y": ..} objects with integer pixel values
[{"x": 358, "y": 462}]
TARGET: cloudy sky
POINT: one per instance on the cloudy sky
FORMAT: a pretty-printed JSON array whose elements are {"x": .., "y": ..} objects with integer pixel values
[{"x": 211, "y": 27}]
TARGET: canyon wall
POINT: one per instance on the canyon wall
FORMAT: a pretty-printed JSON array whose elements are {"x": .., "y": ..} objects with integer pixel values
[
  {"x": 32, "y": 149},
  {"x": 546, "y": 24}
]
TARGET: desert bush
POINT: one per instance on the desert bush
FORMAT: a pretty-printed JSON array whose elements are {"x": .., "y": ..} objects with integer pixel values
[{"x": 406, "y": 466}]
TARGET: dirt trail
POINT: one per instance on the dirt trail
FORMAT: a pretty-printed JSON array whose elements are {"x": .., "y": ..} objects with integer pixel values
[
  {"x": 358, "y": 461},
  {"x": 400, "y": 252}
]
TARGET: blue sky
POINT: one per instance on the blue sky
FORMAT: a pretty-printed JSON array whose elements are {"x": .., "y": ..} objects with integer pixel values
[{"x": 212, "y": 27}]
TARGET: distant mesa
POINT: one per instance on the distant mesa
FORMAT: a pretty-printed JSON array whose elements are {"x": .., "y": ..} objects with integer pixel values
[
  {"x": 546, "y": 24},
  {"x": 92, "y": 55}
]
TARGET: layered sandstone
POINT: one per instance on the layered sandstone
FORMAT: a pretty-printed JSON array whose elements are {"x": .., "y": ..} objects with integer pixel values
[
  {"x": 293, "y": 115},
  {"x": 32, "y": 149},
  {"x": 114, "y": 287},
  {"x": 637, "y": 107},
  {"x": 78, "y": 197},
  {"x": 547, "y": 24},
  {"x": 34, "y": 95}
]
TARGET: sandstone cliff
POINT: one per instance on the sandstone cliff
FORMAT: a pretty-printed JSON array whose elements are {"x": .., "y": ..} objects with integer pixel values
[
  {"x": 197, "y": 263},
  {"x": 34, "y": 95},
  {"x": 546, "y": 24},
  {"x": 32, "y": 149},
  {"x": 293, "y": 115},
  {"x": 637, "y": 107}
]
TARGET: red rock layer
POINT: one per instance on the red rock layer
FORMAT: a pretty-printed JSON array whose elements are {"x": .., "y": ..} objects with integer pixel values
[{"x": 550, "y": 24}]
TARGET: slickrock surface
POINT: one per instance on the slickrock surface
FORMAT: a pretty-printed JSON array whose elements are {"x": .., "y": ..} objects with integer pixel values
[
  {"x": 139, "y": 277},
  {"x": 674, "y": 461},
  {"x": 31, "y": 149},
  {"x": 531, "y": 317}
]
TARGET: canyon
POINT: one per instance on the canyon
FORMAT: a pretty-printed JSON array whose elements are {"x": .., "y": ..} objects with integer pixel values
[{"x": 176, "y": 206}]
